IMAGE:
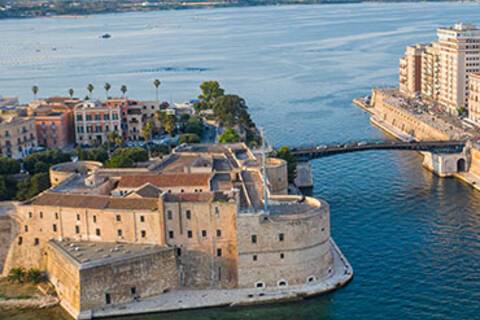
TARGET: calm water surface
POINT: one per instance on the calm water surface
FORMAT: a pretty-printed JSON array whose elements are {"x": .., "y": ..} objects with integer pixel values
[{"x": 412, "y": 239}]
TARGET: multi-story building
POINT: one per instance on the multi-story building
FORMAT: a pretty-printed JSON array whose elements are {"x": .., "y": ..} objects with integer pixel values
[
  {"x": 474, "y": 98},
  {"x": 430, "y": 83},
  {"x": 411, "y": 70},
  {"x": 54, "y": 128},
  {"x": 195, "y": 221},
  {"x": 94, "y": 121},
  {"x": 17, "y": 135},
  {"x": 459, "y": 54}
]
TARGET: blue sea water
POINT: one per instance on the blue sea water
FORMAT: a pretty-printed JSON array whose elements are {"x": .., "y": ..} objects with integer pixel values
[{"x": 413, "y": 239}]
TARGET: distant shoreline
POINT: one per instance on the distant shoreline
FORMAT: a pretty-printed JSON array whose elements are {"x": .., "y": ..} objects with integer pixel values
[{"x": 78, "y": 13}]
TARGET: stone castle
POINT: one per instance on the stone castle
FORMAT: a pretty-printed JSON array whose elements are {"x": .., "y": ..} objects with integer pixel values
[{"x": 194, "y": 222}]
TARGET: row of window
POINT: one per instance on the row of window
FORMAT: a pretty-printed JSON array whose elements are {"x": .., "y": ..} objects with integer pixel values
[
  {"x": 281, "y": 238},
  {"x": 97, "y": 117},
  {"x": 118, "y": 217},
  {"x": 255, "y": 257},
  {"x": 171, "y": 234},
  {"x": 282, "y": 282}
]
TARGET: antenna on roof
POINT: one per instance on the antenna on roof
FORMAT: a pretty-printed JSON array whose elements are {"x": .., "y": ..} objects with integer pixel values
[{"x": 264, "y": 171}]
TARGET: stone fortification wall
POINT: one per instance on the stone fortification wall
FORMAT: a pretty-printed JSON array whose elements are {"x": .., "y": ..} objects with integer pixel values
[
  {"x": 287, "y": 249},
  {"x": 205, "y": 234},
  {"x": 277, "y": 174},
  {"x": 404, "y": 120},
  {"x": 149, "y": 275},
  {"x": 38, "y": 224},
  {"x": 7, "y": 234},
  {"x": 63, "y": 171},
  {"x": 475, "y": 162}
]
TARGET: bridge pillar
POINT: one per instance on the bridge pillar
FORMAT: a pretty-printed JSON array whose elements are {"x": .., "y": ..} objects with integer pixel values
[{"x": 446, "y": 164}]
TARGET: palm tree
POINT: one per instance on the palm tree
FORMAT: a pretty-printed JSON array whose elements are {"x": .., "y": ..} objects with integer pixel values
[
  {"x": 35, "y": 90},
  {"x": 160, "y": 116},
  {"x": 124, "y": 89},
  {"x": 170, "y": 124},
  {"x": 156, "y": 83},
  {"x": 71, "y": 92},
  {"x": 107, "y": 88},
  {"x": 90, "y": 89},
  {"x": 147, "y": 134}
]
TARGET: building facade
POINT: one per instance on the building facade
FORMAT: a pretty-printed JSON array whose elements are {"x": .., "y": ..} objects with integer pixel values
[
  {"x": 411, "y": 70},
  {"x": 474, "y": 98},
  {"x": 94, "y": 121},
  {"x": 17, "y": 135}
]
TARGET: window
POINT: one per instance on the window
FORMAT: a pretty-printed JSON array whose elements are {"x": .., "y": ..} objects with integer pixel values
[
  {"x": 170, "y": 234},
  {"x": 108, "y": 298},
  {"x": 189, "y": 214},
  {"x": 56, "y": 215},
  {"x": 179, "y": 252},
  {"x": 144, "y": 233},
  {"x": 254, "y": 258},
  {"x": 20, "y": 241},
  {"x": 94, "y": 219},
  {"x": 30, "y": 214},
  {"x": 36, "y": 242},
  {"x": 282, "y": 283},
  {"x": 54, "y": 227},
  {"x": 133, "y": 291},
  {"x": 311, "y": 279},
  {"x": 41, "y": 214},
  {"x": 259, "y": 285},
  {"x": 119, "y": 232},
  {"x": 281, "y": 237},
  {"x": 97, "y": 232},
  {"x": 217, "y": 210},
  {"x": 142, "y": 218},
  {"x": 282, "y": 255},
  {"x": 254, "y": 238},
  {"x": 204, "y": 233},
  {"x": 78, "y": 217},
  {"x": 219, "y": 233},
  {"x": 77, "y": 229},
  {"x": 25, "y": 228},
  {"x": 219, "y": 252},
  {"x": 118, "y": 218},
  {"x": 189, "y": 234},
  {"x": 169, "y": 215}
]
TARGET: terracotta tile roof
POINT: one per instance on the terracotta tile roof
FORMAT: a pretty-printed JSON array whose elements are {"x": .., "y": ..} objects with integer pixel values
[
  {"x": 93, "y": 202},
  {"x": 196, "y": 197},
  {"x": 149, "y": 191},
  {"x": 166, "y": 180}
]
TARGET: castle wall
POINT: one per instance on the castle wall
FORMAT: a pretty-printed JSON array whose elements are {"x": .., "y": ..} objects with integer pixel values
[
  {"x": 277, "y": 174},
  {"x": 207, "y": 242},
  {"x": 38, "y": 224},
  {"x": 149, "y": 275},
  {"x": 304, "y": 254},
  {"x": 7, "y": 234}
]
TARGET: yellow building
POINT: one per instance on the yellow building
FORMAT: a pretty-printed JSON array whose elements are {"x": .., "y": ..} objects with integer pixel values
[
  {"x": 17, "y": 135},
  {"x": 410, "y": 72}
]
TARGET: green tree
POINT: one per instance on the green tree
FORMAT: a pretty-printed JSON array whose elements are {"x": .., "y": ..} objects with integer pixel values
[
  {"x": 147, "y": 131},
  {"x": 194, "y": 125},
  {"x": 189, "y": 138},
  {"x": 229, "y": 136},
  {"x": 9, "y": 166},
  {"x": 124, "y": 90},
  {"x": 35, "y": 90},
  {"x": 30, "y": 187},
  {"x": 90, "y": 89},
  {"x": 107, "y": 88},
  {"x": 49, "y": 157},
  {"x": 93, "y": 154},
  {"x": 17, "y": 275},
  {"x": 211, "y": 91},
  {"x": 170, "y": 124},
  {"x": 136, "y": 154},
  {"x": 71, "y": 92},
  {"x": 34, "y": 276},
  {"x": 231, "y": 110},
  {"x": 156, "y": 84},
  {"x": 285, "y": 154},
  {"x": 160, "y": 117},
  {"x": 119, "y": 161}
]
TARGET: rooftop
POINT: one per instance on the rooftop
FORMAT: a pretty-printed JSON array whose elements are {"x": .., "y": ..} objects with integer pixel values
[
  {"x": 89, "y": 254},
  {"x": 92, "y": 202},
  {"x": 166, "y": 180}
]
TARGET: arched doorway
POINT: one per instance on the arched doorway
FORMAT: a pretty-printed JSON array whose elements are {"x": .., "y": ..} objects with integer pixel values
[{"x": 461, "y": 165}]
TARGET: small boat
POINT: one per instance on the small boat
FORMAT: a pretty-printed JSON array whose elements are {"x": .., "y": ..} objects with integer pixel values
[{"x": 106, "y": 36}]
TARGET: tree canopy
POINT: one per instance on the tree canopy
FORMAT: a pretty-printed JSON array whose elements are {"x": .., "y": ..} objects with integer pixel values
[
  {"x": 189, "y": 138},
  {"x": 229, "y": 136},
  {"x": 41, "y": 161},
  {"x": 285, "y": 154},
  {"x": 9, "y": 166}
]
